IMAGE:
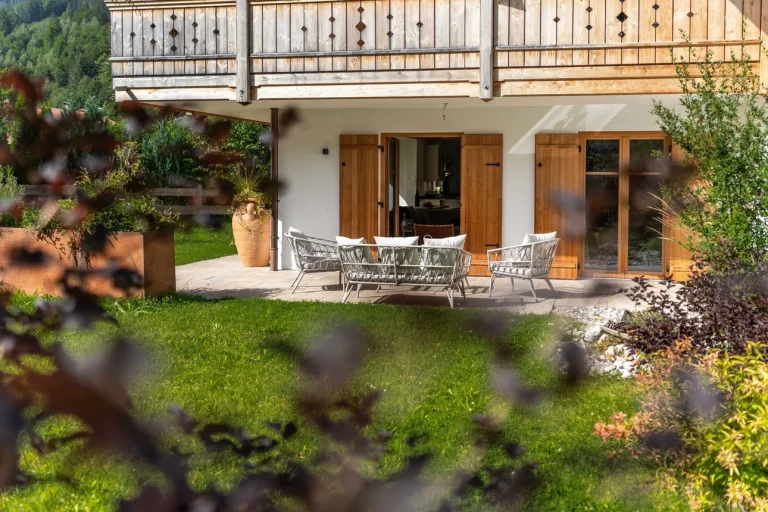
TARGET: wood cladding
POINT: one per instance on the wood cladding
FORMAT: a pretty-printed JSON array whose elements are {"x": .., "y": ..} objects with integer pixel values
[
  {"x": 450, "y": 45},
  {"x": 358, "y": 186}
]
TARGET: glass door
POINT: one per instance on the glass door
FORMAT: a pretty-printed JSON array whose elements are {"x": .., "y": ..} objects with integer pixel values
[{"x": 622, "y": 236}]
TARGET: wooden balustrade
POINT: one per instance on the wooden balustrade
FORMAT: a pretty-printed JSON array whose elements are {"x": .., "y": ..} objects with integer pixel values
[{"x": 475, "y": 48}]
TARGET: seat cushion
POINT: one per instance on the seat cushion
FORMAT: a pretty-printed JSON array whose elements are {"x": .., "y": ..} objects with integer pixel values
[
  {"x": 301, "y": 241},
  {"x": 427, "y": 276},
  {"x": 396, "y": 241},
  {"x": 510, "y": 269}
]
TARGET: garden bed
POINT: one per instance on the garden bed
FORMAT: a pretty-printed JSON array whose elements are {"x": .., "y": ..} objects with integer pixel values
[{"x": 150, "y": 254}]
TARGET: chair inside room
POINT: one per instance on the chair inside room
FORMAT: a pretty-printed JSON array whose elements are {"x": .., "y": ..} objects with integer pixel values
[{"x": 432, "y": 231}]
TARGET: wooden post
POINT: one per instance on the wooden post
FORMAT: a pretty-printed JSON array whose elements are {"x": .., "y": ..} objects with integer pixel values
[
  {"x": 486, "y": 48},
  {"x": 763, "y": 43},
  {"x": 243, "y": 43},
  {"x": 273, "y": 224}
]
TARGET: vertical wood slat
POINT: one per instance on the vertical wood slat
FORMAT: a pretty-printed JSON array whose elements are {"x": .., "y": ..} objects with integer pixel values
[
  {"x": 681, "y": 22},
  {"x": 397, "y": 27},
  {"x": 597, "y": 34},
  {"x": 116, "y": 20},
  {"x": 501, "y": 59},
  {"x": 311, "y": 37},
  {"x": 353, "y": 35},
  {"x": 127, "y": 41},
  {"x": 325, "y": 43},
  {"x": 340, "y": 30},
  {"x": 427, "y": 32},
  {"x": 532, "y": 31},
  {"x": 167, "y": 26},
  {"x": 211, "y": 39},
  {"x": 664, "y": 30},
  {"x": 382, "y": 39},
  {"x": 472, "y": 31},
  {"x": 752, "y": 16},
  {"x": 716, "y": 26},
  {"x": 136, "y": 42},
  {"x": 646, "y": 31},
  {"x": 200, "y": 33},
  {"x": 442, "y": 32},
  {"x": 548, "y": 31},
  {"x": 517, "y": 32},
  {"x": 412, "y": 12},
  {"x": 283, "y": 30},
  {"x": 257, "y": 37},
  {"x": 146, "y": 40},
  {"x": 565, "y": 31},
  {"x": 733, "y": 28},
  {"x": 368, "y": 34},
  {"x": 457, "y": 32},
  {"x": 222, "y": 41},
  {"x": 580, "y": 32},
  {"x": 296, "y": 36},
  {"x": 631, "y": 31},
  {"x": 612, "y": 29},
  {"x": 178, "y": 41},
  {"x": 269, "y": 36}
]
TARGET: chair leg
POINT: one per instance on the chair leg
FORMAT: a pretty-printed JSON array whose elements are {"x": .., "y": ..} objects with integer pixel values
[
  {"x": 533, "y": 290},
  {"x": 347, "y": 291},
  {"x": 297, "y": 281},
  {"x": 450, "y": 296},
  {"x": 462, "y": 289},
  {"x": 358, "y": 290},
  {"x": 378, "y": 288},
  {"x": 490, "y": 288},
  {"x": 340, "y": 277},
  {"x": 512, "y": 280},
  {"x": 296, "y": 278},
  {"x": 550, "y": 286}
]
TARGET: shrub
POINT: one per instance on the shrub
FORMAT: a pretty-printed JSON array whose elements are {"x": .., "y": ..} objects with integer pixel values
[
  {"x": 705, "y": 423},
  {"x": 721, "y": 130},
  {"x": 167, "y": 153},
  {"x": 724, "y": 308},
  {"x": 10, "y": 191}
]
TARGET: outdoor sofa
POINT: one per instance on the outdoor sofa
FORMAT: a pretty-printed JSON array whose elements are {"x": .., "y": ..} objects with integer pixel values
[{"x": 444, "y": 267}]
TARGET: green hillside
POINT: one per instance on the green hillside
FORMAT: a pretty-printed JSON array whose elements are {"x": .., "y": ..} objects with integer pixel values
[{"x": 64, "y": 42}]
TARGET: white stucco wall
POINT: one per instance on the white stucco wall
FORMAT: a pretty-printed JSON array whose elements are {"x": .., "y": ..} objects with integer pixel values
[{"x": 310, "y": 199}]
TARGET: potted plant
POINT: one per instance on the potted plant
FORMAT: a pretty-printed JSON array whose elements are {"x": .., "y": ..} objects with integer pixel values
[
  {"x": 132, "y": 233},
  {"x": 251, "y": 216}
]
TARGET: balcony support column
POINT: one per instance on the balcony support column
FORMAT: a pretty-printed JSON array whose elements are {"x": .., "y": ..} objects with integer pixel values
[
  {"x": 487, "y": 29},
  {"x": 243, "y": 78},
  {"x": 274, "y": 227}
]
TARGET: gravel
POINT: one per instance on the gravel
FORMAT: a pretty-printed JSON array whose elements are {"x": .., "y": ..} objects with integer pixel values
[{"x": 607, "y": 354}]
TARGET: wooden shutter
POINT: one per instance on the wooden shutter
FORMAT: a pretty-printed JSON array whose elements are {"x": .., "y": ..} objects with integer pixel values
[
  {"x": 677, "y": 259},
  {"x": 481, "y": 183},
  {"x": 358, "y": 186},
  {"x": 559, "y": 198}
]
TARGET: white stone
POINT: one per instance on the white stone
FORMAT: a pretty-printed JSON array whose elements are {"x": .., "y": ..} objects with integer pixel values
[{"x": 593, "y": 333}]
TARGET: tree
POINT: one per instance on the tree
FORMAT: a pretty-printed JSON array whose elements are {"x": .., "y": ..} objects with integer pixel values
[{"x": 722, "y": 129}]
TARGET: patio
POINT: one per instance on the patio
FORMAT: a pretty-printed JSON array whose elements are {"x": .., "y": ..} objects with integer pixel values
[{"x": 226, "y": 277}]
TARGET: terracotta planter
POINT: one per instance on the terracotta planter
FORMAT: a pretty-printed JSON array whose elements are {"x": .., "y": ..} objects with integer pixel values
[
  {"x": 150, "y": 254},
  {"x": 251, "y": 232}
]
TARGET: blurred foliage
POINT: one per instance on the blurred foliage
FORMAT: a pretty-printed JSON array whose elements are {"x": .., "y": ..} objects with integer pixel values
[
  {"x": 721, "y": 128},
  {"x": 716, "y": 310},
  {"x": 704, "y": 423}
]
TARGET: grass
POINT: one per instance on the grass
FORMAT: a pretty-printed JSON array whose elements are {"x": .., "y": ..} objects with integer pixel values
[
  {"x": 218, "y": 361},
  {"x": 200, "y": 243}
]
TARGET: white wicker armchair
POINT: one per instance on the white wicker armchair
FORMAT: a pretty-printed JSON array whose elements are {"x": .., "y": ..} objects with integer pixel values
[
  {"x": 527, "y": 261},
  {"x": 314, "y": 255}
]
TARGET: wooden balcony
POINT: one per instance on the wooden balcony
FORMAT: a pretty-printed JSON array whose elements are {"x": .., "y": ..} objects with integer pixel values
[{"x": 240, "y": 50}]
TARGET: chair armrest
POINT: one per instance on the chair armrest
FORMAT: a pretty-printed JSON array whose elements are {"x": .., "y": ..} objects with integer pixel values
[{"x": 513, "y": 254}]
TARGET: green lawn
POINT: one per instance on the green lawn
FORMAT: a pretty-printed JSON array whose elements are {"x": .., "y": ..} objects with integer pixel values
[
  {"x": 199, "y": 243},
  {"x": 217, "y": 360}
]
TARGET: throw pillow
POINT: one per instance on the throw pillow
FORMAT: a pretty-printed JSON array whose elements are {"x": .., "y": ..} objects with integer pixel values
[
  {"x": 531, "y": 238},
  {"x": 356, "y": 254},
  {"x": 396, "y": 241}
]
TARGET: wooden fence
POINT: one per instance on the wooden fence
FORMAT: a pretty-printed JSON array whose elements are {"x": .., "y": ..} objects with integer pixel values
[{"x": 195, "y": 204}]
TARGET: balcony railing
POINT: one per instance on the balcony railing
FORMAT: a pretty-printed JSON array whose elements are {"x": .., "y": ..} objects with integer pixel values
[{"x": 483, "y": 48}]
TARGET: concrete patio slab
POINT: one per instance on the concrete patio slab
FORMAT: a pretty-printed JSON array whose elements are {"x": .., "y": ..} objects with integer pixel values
[{"x": 226, "y": 277}]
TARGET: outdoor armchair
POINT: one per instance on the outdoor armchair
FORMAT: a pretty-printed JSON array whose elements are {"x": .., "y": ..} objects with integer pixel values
[
  {"x": 314, "y": 255},
  {"x": 526, "y": 261}
]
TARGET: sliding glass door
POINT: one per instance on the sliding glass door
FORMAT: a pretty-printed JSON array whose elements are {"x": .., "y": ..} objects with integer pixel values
[{"x": 622, "y": 221}]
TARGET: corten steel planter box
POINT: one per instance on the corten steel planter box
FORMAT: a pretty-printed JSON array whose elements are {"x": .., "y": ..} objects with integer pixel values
[{"x": 150, "y": 254}]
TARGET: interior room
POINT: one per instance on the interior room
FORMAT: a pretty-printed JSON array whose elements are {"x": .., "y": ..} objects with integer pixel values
[{"x": 424, "y": 186}]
